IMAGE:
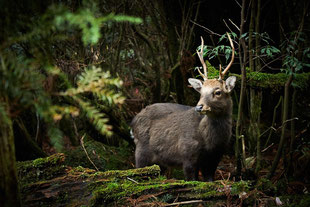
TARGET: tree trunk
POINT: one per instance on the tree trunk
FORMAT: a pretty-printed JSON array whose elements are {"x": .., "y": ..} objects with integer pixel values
[
  {"x": 284, "y": 123},
  {"x": 171, "y": 21},
  {"x": 255, "y": 95},
  {"x": 293, "y": 134},
  {"x": 257, "y": 38},
  {"x": 242, "y": 47},
  {"x": 9, "y": 191},
  {"x": 251, "y": 30}
]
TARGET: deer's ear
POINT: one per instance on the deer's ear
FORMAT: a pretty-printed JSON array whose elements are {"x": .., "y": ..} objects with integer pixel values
[
  {"x": 197, "y": 84},
  {"x": 230, "y": 83}
]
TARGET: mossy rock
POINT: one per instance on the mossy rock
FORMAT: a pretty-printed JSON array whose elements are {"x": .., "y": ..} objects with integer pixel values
[{"x": 104, "y": 157}]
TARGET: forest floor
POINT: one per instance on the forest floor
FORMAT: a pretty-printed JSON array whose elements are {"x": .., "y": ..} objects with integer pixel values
[{"x": 59, "y": 180}]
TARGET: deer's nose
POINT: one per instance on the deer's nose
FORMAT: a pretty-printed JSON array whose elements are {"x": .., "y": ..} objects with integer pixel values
[{"x": 198, "y": 108}]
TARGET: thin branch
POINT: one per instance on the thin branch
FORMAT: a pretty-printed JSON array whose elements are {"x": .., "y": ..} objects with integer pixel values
[
  {"x": 238, "y": 3},
  {"x": 82, "y": 143},
  {"x": 264, "y": 150},
  {"x": 132, "y": 180},
  {"x": 208, "y": 30},
  {"x": 38, "y": 126},
  {"x": 184, "y": 203},
  {"x": 234, "y": 24},
  {"x": 227, "y": 26}
]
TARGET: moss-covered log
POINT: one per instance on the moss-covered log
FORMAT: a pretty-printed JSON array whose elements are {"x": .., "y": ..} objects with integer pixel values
[
  {"x": 48, "y": 182},
  {"x": 267, "y": 80}
]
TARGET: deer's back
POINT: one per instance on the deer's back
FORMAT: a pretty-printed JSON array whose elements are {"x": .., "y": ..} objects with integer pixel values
[{"x": 143, "y": 121}]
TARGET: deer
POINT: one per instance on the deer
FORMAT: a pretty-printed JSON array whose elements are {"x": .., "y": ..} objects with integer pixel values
[{"x": 194, "y": 138}]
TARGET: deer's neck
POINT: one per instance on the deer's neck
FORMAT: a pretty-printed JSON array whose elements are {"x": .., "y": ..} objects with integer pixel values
[{"x": 215, "y": 130}]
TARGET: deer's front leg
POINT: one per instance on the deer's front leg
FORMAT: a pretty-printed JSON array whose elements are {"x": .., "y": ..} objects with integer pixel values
[{"x": 208, "y": 167}]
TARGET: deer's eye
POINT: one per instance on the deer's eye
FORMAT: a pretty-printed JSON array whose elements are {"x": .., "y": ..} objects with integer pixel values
[{"x": 217, "y": 93}]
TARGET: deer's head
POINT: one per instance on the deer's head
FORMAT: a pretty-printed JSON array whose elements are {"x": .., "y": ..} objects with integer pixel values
[{"x": 214, "y": 93}]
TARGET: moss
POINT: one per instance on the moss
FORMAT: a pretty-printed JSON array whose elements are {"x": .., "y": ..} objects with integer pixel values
[
  {"x": 266, "y": 80},
  {"x": 139, "y": 174},
  {"x": 114, "y": 191},
  {"x": 265, "y": 185},
  {"x": 112, "y": 187},
  {"x": 275, "y": 81},
  {"x": 41, "y": 169},
  {"x": 177, "y": 174},
  {"x": 104, "y": 157}
]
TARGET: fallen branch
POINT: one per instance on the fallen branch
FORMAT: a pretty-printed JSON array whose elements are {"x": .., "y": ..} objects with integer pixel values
[
  {"x": 132, "y": 180},
  {"x": 184, "y": 203}
]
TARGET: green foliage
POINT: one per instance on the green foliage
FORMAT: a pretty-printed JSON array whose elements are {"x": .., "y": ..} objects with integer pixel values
[
  {"x": 270, "y": 51},
  {"x": 88, "y": 23},
  {"x": 100, "y": 84},
  {"x": 29, "y": 65},
  {"x": 296, "y": 58},
  {"x": 212, "y": 52}
]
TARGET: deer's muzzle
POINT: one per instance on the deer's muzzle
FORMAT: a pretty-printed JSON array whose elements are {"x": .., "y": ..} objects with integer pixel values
[
  {"x": 202, "y": 109},
  {"x": 198, "y": 108}
]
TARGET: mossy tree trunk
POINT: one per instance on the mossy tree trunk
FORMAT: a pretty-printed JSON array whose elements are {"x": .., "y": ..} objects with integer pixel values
[
  {"x": 255, "y": 94},
  {"x": 9, "y": 191},
  {"x": 258, "y": 95},
  {"x": 255, "y": 111}
]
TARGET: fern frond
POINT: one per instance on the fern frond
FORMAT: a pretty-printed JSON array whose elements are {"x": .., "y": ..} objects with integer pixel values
[
  {"x": 58, "y": 112},
  {"x": 99, "y": 83},
  {"x": 95, "y": 117},
  {"x": 56, "y": 137}
]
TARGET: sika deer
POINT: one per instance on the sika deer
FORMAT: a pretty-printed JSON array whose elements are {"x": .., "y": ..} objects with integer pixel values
[{"x": 192, "y": 137}]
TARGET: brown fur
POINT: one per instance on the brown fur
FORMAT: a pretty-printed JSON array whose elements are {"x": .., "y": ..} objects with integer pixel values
[{"x": 176, "y": 135}]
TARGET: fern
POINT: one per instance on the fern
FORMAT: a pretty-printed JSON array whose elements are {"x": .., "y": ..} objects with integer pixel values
[
  {"x": 88, "y": 23},
  {"x": 93, "y": 80},
  {"x": 22, "y": 78},
  {"x": 55, "y": 135},
  {"x": 95, "y": 117}
]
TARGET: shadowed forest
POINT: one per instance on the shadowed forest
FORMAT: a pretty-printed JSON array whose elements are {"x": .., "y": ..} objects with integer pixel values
[{"x": 74, "y": 74}]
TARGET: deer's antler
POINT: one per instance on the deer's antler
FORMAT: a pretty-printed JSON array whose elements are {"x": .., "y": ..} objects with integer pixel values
[
  {"x": 200, "y": 55},
  {"x": 222, "y": 74}
]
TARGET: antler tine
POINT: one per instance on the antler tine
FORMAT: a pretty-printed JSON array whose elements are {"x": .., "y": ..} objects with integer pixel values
[
  {"x": 200, "y": 55},
  {"x": 232, "y": 58},
  {"x": 220, "y": 72}
]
